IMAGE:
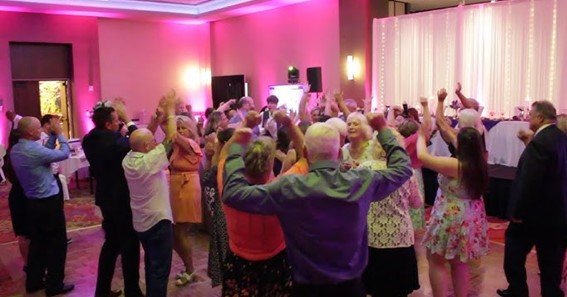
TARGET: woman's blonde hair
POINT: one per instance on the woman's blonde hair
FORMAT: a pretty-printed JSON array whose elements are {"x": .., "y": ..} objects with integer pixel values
[
  {"x": 190, "y": 124},
  {"x": 259, "y": 157}
]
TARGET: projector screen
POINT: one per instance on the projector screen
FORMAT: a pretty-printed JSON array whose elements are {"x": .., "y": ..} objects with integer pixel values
[{"x": 288, "y": 95}]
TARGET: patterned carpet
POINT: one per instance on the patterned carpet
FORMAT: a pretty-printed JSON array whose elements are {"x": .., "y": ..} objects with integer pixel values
[{"x": 80, "y": 211}]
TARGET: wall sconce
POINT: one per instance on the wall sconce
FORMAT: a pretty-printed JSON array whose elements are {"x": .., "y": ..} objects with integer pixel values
[{"x": 351, "y": 67}]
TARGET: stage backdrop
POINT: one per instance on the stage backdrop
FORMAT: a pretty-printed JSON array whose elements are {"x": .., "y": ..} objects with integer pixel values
[{"x": 505, "y": 54}]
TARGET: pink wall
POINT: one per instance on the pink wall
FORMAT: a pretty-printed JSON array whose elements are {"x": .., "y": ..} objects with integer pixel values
[
  {"x": 141, "y": 61},
  {"x": 262, "y": 45},
  {"x": 80, "y": 32}
]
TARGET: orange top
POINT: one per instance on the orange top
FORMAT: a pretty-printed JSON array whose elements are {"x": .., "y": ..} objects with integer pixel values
[
  {"x": 250, "y": 236},
  {"x": 183, "y": 161}
]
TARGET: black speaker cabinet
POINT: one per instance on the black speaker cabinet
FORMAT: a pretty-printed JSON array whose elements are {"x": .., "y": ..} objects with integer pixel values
[
  {"x": 314, "y": 79},
  {"x": 227, "y": 87}
]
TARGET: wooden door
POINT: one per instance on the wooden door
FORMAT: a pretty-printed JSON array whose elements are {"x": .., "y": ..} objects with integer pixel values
[{"x": 26, "y": 98}]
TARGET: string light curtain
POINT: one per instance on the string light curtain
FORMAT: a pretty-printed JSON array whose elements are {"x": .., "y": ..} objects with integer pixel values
[{"x": 505, "y": 54}]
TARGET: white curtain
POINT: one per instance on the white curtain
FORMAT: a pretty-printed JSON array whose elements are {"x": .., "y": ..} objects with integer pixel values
[{"x": 505, "y": 54}]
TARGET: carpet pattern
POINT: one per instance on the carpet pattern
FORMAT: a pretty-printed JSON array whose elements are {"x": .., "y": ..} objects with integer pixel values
[{"x": 80, "y": 211}]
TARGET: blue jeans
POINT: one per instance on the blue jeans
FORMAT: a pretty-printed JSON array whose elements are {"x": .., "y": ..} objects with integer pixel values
[{"x": 158, "y": 248}]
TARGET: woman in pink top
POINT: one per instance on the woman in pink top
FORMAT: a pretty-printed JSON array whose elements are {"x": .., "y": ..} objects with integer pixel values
[
  {"x": 185, "y": 193},
  {"x": 256, "y": 264}
]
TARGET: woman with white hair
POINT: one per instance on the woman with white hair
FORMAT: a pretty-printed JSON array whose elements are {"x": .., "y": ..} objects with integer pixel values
[
  {"x": 392, "y": 263},
  {"x": 185, "y": 193}
]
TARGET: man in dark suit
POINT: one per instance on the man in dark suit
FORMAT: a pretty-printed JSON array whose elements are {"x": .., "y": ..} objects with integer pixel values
[
  {"x": 105, "y": 148},
  {"x": 538, "y": 207}
]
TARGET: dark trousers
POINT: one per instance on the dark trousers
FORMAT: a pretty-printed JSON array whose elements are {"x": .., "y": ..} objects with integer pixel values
[
  {"x": 158, "y": 249},
  {"x": 48, "y": 244},
  {"x": 550, "y": 247},
  {"x": 120, "y": 239},
  {"x": 351, "y": 288}
]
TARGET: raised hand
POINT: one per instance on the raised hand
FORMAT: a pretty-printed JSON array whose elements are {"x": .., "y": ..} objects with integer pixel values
[
  {"x": 120, "y": 107},
  {"x": 458, "y": 88},
  {"x": 338, "y": 95},
  {"x": 441, "y": 95},
  {"x": 376, "y": 121},
  {"x": 423, "y": 101},
  {"x": 292, "y": 115}
]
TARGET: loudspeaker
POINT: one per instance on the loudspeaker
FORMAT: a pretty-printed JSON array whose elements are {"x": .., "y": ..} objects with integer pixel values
[
  {"x": 226, "y": 87},
  {"x": 314, "y": 79}
]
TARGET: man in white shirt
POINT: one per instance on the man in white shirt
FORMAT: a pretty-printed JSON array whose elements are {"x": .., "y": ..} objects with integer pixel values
[
  {"x": 48, "y": 124},
  {"x": 144, "y": 169}
]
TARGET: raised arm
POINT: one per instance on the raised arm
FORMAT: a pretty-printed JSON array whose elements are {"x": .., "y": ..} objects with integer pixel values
[
  {"x": 226, "y": 105},
  {"x": 399, "y": 165},
  {"x": 444, "y": 165},
  {"x": 49, "y": 154},
  {"x": 303, "y": 113},
  {"x": 442, "y": 125},
  {"x": 426, "y": 125},
  {"x": 294, "y": 132},
  {"x": 157, "y": 118},
  {"x": 341, "y": 102},
  {"x": 169, "y": 102},
  {"x": 464, "y": 100}
]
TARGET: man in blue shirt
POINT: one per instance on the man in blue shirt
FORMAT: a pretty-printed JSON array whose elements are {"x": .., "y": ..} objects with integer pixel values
[
  {"x": 48, "y": 235},
  {"x": 323, "y": 213}
]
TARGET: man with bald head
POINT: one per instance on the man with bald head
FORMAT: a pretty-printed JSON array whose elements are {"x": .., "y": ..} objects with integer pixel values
[
  {"x": 144, "y": 169},
  {"x": 48, "y": 236}
]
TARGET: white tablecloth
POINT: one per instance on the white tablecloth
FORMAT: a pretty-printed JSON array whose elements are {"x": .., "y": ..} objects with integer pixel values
[
  {"x": 503, "y": 145},
  {"x": 75, "y": 162}
]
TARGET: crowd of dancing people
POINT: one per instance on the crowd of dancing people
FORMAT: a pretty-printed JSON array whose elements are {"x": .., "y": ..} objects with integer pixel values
[{"x": 327, "y": 200}]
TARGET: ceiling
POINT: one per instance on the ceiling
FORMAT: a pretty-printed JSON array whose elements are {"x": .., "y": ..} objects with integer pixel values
[{"x": 178, "y": 11}]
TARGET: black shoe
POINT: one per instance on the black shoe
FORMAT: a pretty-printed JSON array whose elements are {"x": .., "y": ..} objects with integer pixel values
[
  {"x": 32, "y": 290},
  {"x": 115, "y": 293},
  {"x": 504, "y": 292},
  {"x": 66, "y": 288}
]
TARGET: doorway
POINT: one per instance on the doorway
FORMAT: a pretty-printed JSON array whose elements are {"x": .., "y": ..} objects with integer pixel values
[
  {"x": 38, "y": 98},
  {"x": 41, "y": 81}
]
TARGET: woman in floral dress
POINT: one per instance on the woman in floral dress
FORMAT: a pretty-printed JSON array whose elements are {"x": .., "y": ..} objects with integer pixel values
[
  {"x": 392, "y": 264},
  {"x": 457, "y": 230}
]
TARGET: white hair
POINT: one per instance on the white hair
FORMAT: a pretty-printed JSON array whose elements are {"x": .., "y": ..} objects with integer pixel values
[
  {"x": 339, "y": 125},
  {"x": 322, "y": 142},
  {"x": 471, "y": 118},
  {"x": 468, "y": 118},
  {"x": 366, "y": 129}
]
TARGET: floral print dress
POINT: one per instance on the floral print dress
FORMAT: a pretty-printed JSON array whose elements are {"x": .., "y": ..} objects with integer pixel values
[{"x": 457, "y": 228}]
